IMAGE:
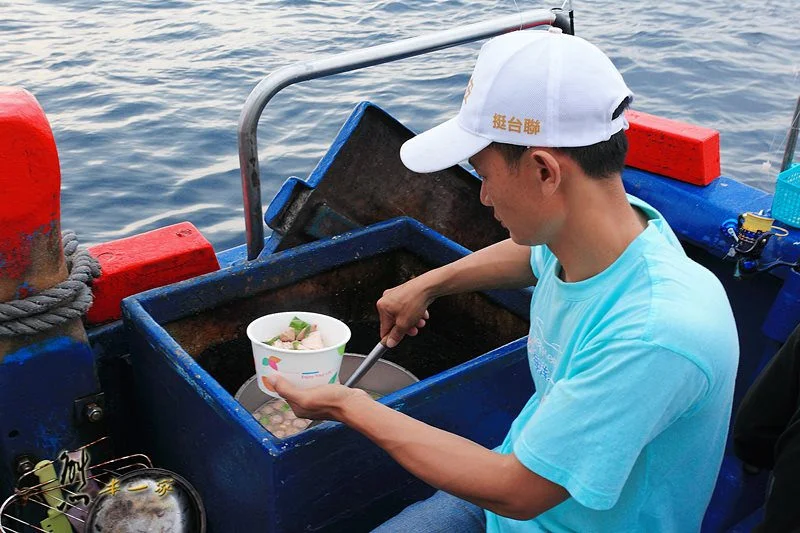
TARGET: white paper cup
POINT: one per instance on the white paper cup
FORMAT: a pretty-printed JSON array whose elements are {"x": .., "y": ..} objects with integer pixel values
[{"x": 303, "y": 368}]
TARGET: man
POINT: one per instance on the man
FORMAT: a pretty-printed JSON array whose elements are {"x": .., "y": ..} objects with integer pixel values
[
  {"x": 766, "y": 434},
  {"x": 632, "y": 346}
]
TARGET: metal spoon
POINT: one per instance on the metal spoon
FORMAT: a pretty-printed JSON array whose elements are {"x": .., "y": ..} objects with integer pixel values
[
  {"x": 368, "y": 362},
  {"x": 376, "y": 353}
]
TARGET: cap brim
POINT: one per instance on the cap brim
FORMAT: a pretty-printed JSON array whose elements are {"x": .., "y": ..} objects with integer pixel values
[{"x": 441, "y": 147}]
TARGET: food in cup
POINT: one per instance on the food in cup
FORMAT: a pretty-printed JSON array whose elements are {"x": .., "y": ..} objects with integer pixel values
[
  {"x": 303, "y": 368},
  {"x": 299, "y": 335}
]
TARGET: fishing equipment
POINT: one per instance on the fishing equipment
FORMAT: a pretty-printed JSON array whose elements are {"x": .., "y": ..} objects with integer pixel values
[
  {"x": 752, "y": 231},
  {"x": 750, "y": 234},
  {"x": 786, "y": 202}
]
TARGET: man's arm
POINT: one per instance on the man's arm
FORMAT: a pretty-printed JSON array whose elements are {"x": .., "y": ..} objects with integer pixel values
[
  {"x": 493, "y": 481},
  {"x": 504, "y": 265}
]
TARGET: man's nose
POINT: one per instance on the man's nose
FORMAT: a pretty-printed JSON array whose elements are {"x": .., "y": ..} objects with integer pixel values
[{"x": 485, "y": 200}]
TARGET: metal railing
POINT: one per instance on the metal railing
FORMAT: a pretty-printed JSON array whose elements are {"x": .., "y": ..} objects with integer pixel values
[{"x": 345, "y": 62}]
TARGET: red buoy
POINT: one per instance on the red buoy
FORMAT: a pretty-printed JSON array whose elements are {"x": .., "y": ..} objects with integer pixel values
[
  {"x": 31, "y": 256},
  {"x": 43, "y": 370},
  {"x": 30, "y": 181}
]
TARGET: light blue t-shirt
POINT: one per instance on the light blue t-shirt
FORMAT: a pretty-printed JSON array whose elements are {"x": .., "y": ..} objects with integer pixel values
[{"x": 634, "y": 371}]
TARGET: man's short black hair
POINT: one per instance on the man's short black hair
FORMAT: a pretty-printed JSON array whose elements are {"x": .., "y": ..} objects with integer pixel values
[{"x": 600, "y": 160}]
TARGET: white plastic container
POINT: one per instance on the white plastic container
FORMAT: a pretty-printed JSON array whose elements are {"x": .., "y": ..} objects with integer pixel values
[{"x": 303, "y": 368}]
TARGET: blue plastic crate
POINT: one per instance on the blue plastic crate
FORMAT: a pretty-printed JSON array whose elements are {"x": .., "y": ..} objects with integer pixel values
[
  {"x": 786, "y": 203},
  {"x": 329, "y": 478}
]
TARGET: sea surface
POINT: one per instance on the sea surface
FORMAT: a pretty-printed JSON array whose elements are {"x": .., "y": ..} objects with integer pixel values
[{"x": 144, "y": 96}]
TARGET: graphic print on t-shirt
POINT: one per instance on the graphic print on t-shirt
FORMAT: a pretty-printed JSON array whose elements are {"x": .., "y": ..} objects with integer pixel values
[{"x": 544, "y": 355}]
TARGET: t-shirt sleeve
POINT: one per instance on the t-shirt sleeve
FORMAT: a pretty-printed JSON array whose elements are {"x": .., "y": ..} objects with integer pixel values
[
  {"x": 540, "y": 255},
  {"x": 589, "y": 429}
]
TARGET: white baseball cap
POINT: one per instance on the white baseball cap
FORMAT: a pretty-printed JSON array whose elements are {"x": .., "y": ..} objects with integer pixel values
[{"x": 529, "y": 88}]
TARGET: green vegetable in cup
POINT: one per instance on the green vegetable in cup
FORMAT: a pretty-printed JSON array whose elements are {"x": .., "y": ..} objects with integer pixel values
[
  {"x": 300, "y": 335},
  {"x": 298, "y": 325}
]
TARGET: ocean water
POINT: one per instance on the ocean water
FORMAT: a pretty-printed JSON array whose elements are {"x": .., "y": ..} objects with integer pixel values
[{"x": 144, "y": 97}]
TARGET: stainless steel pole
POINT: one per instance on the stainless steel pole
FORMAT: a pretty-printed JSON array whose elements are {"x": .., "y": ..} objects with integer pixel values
[
  {"x": 345, "y": 62},
  {"x": 791, "y": 142}
]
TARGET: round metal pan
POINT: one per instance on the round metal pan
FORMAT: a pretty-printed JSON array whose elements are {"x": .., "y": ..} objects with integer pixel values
[{"x": 383, "y": 378}]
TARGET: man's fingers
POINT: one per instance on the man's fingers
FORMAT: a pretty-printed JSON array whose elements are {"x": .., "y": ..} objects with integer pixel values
[
  {"x": 289, "y": 392},
  {"x": 427, "y": 315},
  {"x": 387, "y": 322},
  {"x": 394, "y": 338},
  {"x": 282, "y": 386},
  {"x": 396, "y": 333},
  {"x": 386, "y": 327}
]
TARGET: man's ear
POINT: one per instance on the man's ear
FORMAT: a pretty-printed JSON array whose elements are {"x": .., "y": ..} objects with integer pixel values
[{"x": 545, "y": 170}]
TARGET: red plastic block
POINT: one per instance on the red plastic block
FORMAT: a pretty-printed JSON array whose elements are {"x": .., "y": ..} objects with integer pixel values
[
  {"x": 674, "y": 149},
  {"x": 146, "y": 261}
]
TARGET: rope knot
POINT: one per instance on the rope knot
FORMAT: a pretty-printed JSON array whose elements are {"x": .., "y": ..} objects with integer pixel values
[{"x": 52, "y": 307}]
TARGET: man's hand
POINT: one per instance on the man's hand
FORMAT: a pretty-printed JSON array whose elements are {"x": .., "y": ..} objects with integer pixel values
[
  {"x": 403, "y": 311},
  {"x": 319, "y": 403}
]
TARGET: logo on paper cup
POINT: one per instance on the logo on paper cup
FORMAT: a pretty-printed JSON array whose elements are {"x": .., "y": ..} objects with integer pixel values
[{"x": 272, "y": 362}]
